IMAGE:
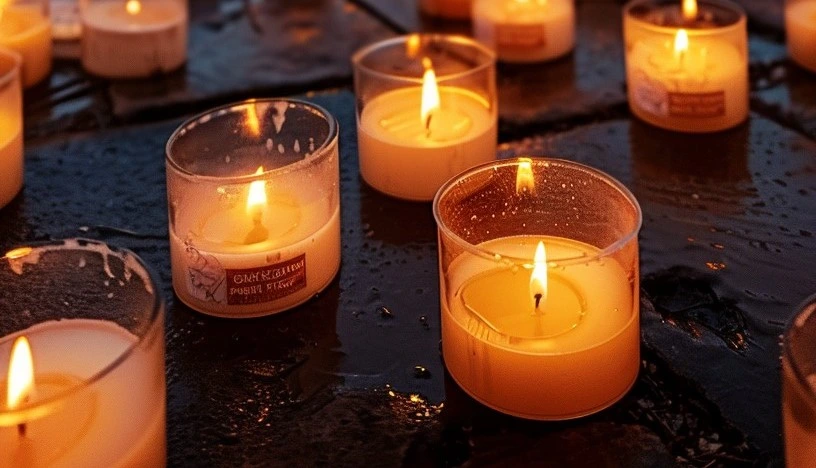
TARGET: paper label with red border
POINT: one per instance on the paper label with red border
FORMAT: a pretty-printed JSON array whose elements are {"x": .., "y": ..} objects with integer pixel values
[
  {"x": 697, "y": 105},
  {"x": 267, "y": 283}
]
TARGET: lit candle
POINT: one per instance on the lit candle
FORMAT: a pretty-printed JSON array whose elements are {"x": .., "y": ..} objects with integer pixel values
[
  {"x": 133, "y": 38},
  {"x": 800, "y": 28},
  {"x": 246, "y": 245},
  {"x": 799, "y": 387},
  {"x": 451, "y": 9},
  {"x": 421, "y": 131},
  {"x": 11, "y": 127},
  {"x": 687, "y": 66},
  {"x": 525, "y": 30},
  {"x": 539, "y": 325},
  {"x": 26, "y": 29},
  {"x": 75, "y": 391}
]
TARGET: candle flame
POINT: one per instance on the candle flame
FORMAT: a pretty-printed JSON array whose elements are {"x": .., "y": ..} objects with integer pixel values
[
  {"x": 430, "y": 93},
  {"x": 411, "y": 45},
  {"x": 681, "y": 42},
  {"x": 134, "y": 7},
  {"x": 253, "y": 122},
  {"x": 538, "y": 278},
  {"x": 257, "y": 193},
  {"x": 525, "y": 182},
  {"x": 19, "y": 252},
  {"x": 20, "y": 374},
  {"x": 690, "y": 10}
]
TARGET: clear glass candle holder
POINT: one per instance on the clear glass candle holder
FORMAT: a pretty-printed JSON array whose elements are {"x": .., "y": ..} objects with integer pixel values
[
  {"x": 25, "y": 27},
  {"x": 426, "y": 111},
  {"x": 687, "y": 69},
  {"x": 133, "y": 38},
  {"x": 93, "y": 319},
  {"x": 800, "y": 29},
  {"x": 11, "y": 126},
  {"x": 450, "y": 9},
  {"x": 254, "y": 201},
  {"x": 539, "y": 276},
  {"x": 799, "y": 386},
  {"x": 525, "y": 31}
]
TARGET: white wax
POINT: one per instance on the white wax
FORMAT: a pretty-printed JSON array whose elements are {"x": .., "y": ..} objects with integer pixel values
[
  {"x": 11, "y": 158},
  {"x": 800, "y": 27},
  {"x": 704, "y": 89},
  {"x": 413, "y": 165},
  {"x": 525, "y": 31},
  {"x": 25, "y": 30},
  {"x": 566, "y": 373},
  {"x": 118, "y": 421},
  {"x": 118, "y": 44}
]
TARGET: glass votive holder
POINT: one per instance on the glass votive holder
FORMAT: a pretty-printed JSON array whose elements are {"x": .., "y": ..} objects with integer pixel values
[
  {"x": 254, "y": 201},
  {"x": 539, "y": 286},
  {"x": 800, "y": 29},
  {"x": 687, "y": 67},
  {"x": 25, "y": 28},
  {"x": 450, "y": 9},
  {"x": 82, "y": 331},
  {"x": 799, "y": 386},
  {"x": 11, "y": 126},
  {"x": 133, "y": 38},
  {"x": 426, "y": 111},
  {"x": 525, "y": 31}
]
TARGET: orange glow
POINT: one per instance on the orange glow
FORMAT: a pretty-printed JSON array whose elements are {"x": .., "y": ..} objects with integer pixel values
[
  {"x": 134, "y": 7},
  {"x": 524, "y": 176},
  {"x": 257, "y": 194},
  {"x": 681, "y": 43},
  {"x": 20, "y": 374},
  {"x": 411, "y": 45},
  {"x": 538, "y": 278},
  {"x": 252, "y": 120},
  {"x": 18, "y": 253},
  {"x": 430, "y": 93},
  {"x": 690, "y": 9}
]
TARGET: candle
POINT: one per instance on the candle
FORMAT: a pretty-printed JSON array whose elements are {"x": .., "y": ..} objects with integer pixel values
[
  {"x": 246, "y": 245},
  {"x": 26, "y": 29},
  {"x": 451, "y": 9},
  {"x": 800, "y": 27},
  {"x": 799, "y": 387},
  {"x": 687, "y": 68},
  {"x": 77, "y": 388},
  {"x": 536, "y": 321},
  {"x": 416, "y": 132},
  {"x": 11, "y": 127},
  {"x": 133, "y": 38},
  {"x": 525, "y": 30}
]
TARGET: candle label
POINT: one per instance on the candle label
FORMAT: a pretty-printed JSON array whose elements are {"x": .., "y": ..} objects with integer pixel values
[
  {"x": 513, "y": 37},
  {"x": 653, "y": 97},
  {"x": 267, "y": 283}
]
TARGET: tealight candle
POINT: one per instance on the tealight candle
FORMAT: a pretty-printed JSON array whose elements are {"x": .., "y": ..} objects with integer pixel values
[
  {"x": 687, "y": 66},
  {"x": 525, "y": 30},
  {"x": 11, "y": 127},
  {"x": 26, "y": 29},
  {"x": 253, "y": 193},
  {"x": 799, "y": 387},
  {"x": 133, "y": 38},
  {"x": 538, "y": 287},
  {"x": 800, "y": 27},
  {"x": 450, "y": 9},
  {"x": 426, "y": 110},
  {"x": 81, "y": 359}
]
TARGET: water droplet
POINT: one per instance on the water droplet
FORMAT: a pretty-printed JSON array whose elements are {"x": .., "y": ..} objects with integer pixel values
[
  {"x": 421, "y": 372},
  {"x": 385, "y": 312}
]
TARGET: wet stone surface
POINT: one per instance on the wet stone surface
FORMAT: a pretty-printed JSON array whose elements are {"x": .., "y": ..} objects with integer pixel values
[{"x": 355, "y": 377}]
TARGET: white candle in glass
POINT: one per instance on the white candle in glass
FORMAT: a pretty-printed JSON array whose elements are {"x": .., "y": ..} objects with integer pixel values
[
  {"x": 800, "y": 27},
  {"x": 26, "y": 29},
  {"x": 11, "y": 127}
]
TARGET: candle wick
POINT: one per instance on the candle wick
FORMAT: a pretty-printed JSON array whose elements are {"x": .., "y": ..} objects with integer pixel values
[
  {"x": 428, "y": 125},
  {"x": 21, "y": 429},
  {"x": 538, "y": 298}
]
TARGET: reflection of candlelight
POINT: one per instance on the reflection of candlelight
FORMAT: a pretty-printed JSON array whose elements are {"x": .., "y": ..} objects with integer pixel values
[
  {"x": 412, "y": 45},
  {"x": 253, "y": 122},
  {"x": 524, "y": 176},
  {"x": 134, "y": 7},
  {"x": 690, "y": 10},
  {"x": 538, "y": 278},
  {"x": 20, "y": 377}
]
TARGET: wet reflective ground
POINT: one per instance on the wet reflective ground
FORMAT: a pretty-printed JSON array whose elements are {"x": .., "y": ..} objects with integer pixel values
[{"x": 355, "y": 376}]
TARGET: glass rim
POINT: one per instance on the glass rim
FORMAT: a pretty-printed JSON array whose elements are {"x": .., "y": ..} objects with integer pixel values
[
  {"x": 357, "y": 57},
  {"x": 40, "y": 408},
  {"x": 741, "y": 22},
  {"x": 608, "y": 250},
  {"x": 805, "y": 312},
  {"x": 13, "y": 72},
  {"x": 317, "y": 156}
]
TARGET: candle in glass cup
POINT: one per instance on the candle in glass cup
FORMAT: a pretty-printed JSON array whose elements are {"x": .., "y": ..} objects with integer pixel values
[
  {"x": 799, "y": 387},
  {"x": 133, "y": 38},
  {"x": 426, "y": 111},
  {"x": 686, "y": 65},
  {"x": 11, "y": 127},
  {"x": 26, "y": 29},
  {"x": 538, "y": 281},
  {"x": 525, "y": 30},
  {"x": 253, "y": 190},
  {"x": 800, "y": 29},
  {"x": 82, "y": 370}
]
